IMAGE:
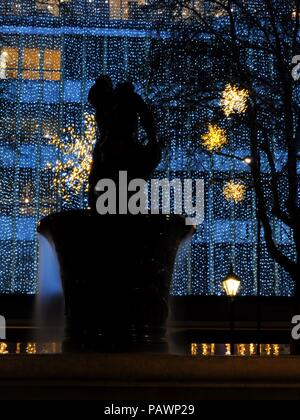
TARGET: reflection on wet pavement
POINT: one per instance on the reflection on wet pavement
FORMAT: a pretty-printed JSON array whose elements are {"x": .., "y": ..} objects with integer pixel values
[
  {"x": 196, "y": 349},
  {"x": 270, "y": 350},
  {"x": 30, "y": 348}
]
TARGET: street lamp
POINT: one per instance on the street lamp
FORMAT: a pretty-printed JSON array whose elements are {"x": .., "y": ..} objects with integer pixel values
[
  {"x": 248, "y": 160},
  {"x": 231, "y": 284}
]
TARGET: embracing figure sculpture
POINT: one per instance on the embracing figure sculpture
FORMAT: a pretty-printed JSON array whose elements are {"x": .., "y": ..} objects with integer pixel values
[
  {"x": 115, "y": 269},
  {"x": 120, "y": 113}
]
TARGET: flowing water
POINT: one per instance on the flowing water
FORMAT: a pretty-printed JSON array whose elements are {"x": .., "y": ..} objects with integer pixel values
[{"x": 50, "y": 303}]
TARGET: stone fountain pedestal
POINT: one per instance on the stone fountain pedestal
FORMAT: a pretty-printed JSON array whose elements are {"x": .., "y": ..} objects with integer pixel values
[{"x": 116, "y": 272}]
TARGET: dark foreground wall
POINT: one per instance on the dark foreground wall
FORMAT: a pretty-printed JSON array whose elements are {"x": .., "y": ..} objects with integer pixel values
[{"x": 144, "y": 377}]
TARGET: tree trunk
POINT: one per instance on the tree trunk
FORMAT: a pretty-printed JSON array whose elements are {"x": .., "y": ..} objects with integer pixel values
[
  {"x": 295, "y": 278},
  {"x": 295, "y": 344},
  {"x": 296, "y": 275}
]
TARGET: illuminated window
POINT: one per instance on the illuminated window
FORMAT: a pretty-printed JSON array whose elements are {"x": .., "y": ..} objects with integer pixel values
[
  {"x": 52, "y": 60},
  {"x": 49, "y": 6},
  {"x": 17, "y": 8},
  {"x": 115, "y": 9},
  {"x": 9, "y": 7},
  {"x": 33, "y": 61},
  {"x": 119, "y": 9},
  {"x": 9, "y": 63}
]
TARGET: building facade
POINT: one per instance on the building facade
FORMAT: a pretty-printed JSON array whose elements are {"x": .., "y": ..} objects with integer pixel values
[{"x": 51, "y": 52}]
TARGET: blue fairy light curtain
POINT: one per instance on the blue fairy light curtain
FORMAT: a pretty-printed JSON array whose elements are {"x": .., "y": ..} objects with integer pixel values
[{"x": 51, "y": 52}]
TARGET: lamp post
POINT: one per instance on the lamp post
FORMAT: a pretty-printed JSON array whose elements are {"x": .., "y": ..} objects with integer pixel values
[
  {"x": 231, "y": 284},
  {"x": 258, "y": 269}
]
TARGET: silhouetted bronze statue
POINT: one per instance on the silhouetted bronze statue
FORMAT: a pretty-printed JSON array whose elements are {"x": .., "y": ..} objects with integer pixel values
[
  {"x": 118, "y": 112},
  {"x": 116, "y": 270}
]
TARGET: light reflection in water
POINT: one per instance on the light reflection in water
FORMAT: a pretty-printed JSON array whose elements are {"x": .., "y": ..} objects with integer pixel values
[
  {"x": 242, "y": 350},
  {"x": 3, "y": 348},
  {"x": 196, "y": 349},
  {"x": 30, "y": 348},
  {"x": 203, "y": 349},
  {"x": 227, "y": 350}
]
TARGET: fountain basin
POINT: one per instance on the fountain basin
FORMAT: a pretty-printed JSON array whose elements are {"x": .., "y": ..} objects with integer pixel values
[{"x": 115, "y": 272}]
